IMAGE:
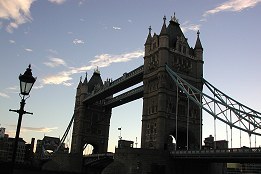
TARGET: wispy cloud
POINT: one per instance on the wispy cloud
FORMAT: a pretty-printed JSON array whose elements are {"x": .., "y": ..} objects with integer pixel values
[
  {"x": 57, "y": 1},
  {"x": 39, "y": 129},
  {"x": 233, "y": 5},
  {"x": 102, "y": 60},
  {"x": 52, "y": 51},
  {"x": 60, "y": 78},
  {"x": 187, "y": 26},
  {"x": 78, "y": 41},
  {"x": 116, "y": 28},
  {"x": 15, "y": 12},
  {"x": 36, "y": 129},
  {"x": 11, "y": 41},
  {"x": 4, "y": 95},
  {"x": 81, "y": 2},
  {"x": 54, "y": 62},
  {"x": 28, "y": 50},
  {"x": 105, "y": 60}
]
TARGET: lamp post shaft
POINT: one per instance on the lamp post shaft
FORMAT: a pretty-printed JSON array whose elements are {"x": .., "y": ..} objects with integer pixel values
[{"x": 21, "y": 112}]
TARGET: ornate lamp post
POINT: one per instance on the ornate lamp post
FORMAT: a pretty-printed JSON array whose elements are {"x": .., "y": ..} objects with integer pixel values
[{"x": 26, "y": 84}]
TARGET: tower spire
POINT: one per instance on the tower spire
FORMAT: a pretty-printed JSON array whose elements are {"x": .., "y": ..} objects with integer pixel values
[
  {"x": 164, "y": 28},
  {"x": 174, "y": 19},
  {"x": 148, "y": 41},
  {"x": 198, "y": 44},
  {"x": 85, "y": 80}
]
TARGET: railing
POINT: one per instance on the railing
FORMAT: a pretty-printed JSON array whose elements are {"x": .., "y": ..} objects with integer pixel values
[
  {"x": 225, "y": 155},
  {"x": 99, "y": 155},
  {"x": 212, "y": 151}
]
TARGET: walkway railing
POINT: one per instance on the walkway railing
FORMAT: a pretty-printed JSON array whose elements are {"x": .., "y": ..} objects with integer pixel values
[{"x": 226, "y": 155}]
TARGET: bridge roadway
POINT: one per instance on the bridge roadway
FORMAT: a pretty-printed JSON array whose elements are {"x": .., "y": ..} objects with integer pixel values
[
  {"x": 237, "y": 155},
  {"x": 125, "y": 81},
  {"x": 232, "y": 155}
]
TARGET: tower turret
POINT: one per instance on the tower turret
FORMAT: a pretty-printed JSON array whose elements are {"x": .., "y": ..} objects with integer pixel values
[
  {"x": 163, "y": 37},
  {"x": 95, "y": 82},
  {"x": 78, "y": 91},
  {"x": 198, "y": 50},
  {"x": 84, "y": 88},
  {"x": 148, "y": 43},
  {"x": 163, "y": 44}
]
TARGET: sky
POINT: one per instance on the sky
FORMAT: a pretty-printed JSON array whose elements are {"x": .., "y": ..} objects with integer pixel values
[{"x": 64, "y": 39}]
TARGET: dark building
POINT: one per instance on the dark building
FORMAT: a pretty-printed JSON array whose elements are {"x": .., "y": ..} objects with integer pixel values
[
  {"x": 6, "y": 149},
  {"x": 47, "y": 146}
]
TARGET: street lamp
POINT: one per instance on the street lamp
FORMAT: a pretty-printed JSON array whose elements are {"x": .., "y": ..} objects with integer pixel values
[{"x": 26, "y": 84}]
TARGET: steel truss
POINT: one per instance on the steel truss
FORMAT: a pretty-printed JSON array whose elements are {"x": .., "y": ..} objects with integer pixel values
[{"x": 221, "y": 106}]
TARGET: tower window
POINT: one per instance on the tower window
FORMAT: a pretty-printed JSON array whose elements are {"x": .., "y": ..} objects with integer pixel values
[
  {"x": 154, "y": 45},
  {"x": 184, "y": 50}
]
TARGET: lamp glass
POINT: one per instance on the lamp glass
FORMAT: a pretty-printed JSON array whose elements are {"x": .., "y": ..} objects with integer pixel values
[{"x": 26, "y": 81}]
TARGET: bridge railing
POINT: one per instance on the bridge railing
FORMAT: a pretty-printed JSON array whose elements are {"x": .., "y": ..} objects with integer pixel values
[{"x": 216, "y": 151}]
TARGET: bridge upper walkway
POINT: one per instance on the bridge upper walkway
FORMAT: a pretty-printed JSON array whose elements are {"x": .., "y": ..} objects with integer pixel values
[{"x": 125, "y": 81}]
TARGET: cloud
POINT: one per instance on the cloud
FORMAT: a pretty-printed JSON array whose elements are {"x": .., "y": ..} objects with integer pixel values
[
  {"x": 39, "y": 129},
  {"x": 57, "y": 1},
  {"x": 129, "y": 20},
  {"x": 54, "y": 62},
  {"x": 78, "y": 41},
  {"x": 11, "y": 41},
  {"x": 61, "y": 78},
  {"x": 233, "y": 5},
  {"x": 52, "y": 51},
  {"x": 15, "y": 12},
  {"x": 35, "y": 129},
  {"x": 116, "y": 28},
  {"x": 105, "y": 60},
  {"x": 187, "y": 26},
  {"x": 81, "y": 2},
  {"x": 4, "y": 95},
  {"x": 102, "y": 60},
  {"x": 28, "y": 49}
]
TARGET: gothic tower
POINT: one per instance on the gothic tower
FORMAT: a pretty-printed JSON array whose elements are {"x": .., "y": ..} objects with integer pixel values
[
  {"x": 164, "y": 114},
  {"x": 92, "y": 121}
]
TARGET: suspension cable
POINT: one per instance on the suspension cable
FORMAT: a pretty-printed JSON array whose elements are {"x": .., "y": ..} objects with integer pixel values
[
  {"x": 188, "y": 126},
  {"x": 177, "y": 105},
  {"x": 65, "y": 134},
  {"x": 252, "y": 117}
]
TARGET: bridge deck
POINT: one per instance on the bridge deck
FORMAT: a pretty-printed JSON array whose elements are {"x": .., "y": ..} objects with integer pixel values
[{"x": 252, "y": 155}]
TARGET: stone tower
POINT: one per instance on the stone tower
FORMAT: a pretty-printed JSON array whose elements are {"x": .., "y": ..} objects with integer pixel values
[
  {"x": 91, "y": 122},
  {"x": 160, "y": 123}
]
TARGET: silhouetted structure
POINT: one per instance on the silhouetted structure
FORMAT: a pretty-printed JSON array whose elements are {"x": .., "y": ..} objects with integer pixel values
[{"x": 171, "y": 136}]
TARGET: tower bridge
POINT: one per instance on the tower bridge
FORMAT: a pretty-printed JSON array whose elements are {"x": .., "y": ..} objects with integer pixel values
[{"x": 173, "y": 103}]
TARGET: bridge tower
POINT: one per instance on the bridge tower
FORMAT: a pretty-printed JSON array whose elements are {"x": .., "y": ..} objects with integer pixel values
[
  {"x": 167, "y": 113},
  {"x": 92, "y": 121}
]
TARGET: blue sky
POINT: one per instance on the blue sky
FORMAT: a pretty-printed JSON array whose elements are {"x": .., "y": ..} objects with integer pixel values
[{"x": 63, "y": 39}]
